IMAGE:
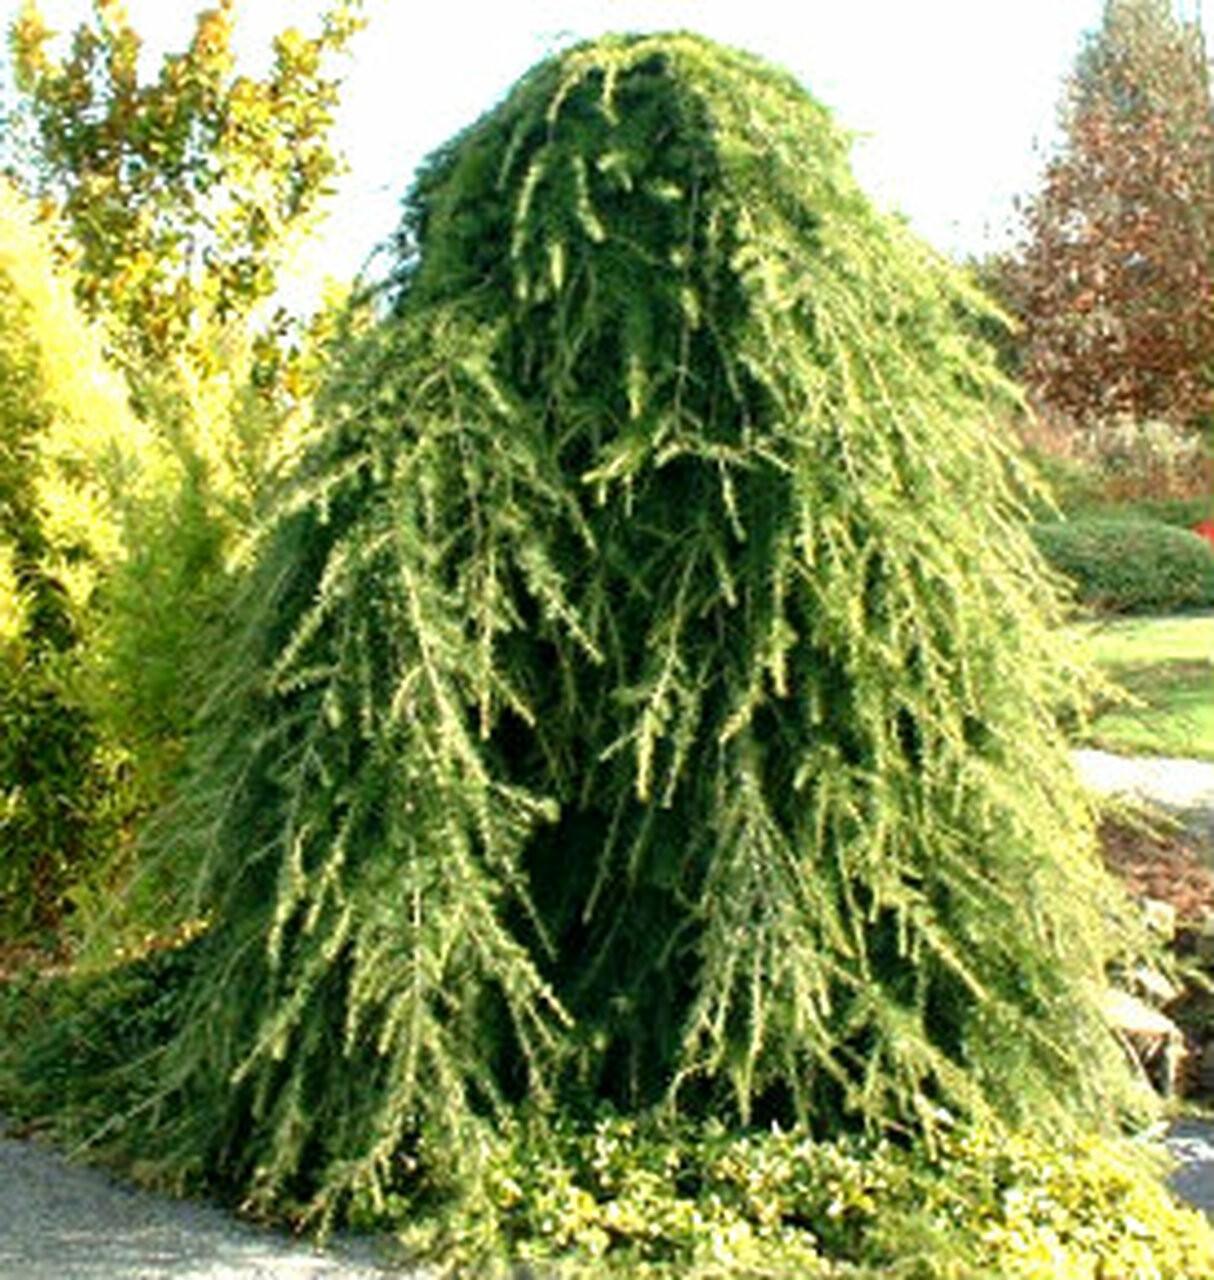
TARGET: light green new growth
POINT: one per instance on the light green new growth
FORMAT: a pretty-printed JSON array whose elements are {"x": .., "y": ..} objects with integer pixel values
[
  {"x": 91, "y": 428},
  {"x": 647, "y": 692}
]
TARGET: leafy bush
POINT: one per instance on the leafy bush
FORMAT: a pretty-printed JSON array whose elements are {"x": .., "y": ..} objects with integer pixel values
[
  {"x": 1121, "y": 468},
  {"x": 87, "y": 1036},
  {"x": 1130, "y": 565},
  {"x": 649, "y": 1196},
  {"x": 117, "y": 531},
  {"x": 53, "y": 796},
  {"x": 646, "y": 1198},
  {"x": 1144, "y": 458},
  {"x": 52, "y": 779},
  {"x": 1073, "y": 484}
]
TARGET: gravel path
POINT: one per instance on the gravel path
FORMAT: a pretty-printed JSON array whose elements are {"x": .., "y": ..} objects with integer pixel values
[
  {"x": 1184, "y": 788},
  {"x": 60, "y": 1221},
  {"x": 1191, "y": 1142}
]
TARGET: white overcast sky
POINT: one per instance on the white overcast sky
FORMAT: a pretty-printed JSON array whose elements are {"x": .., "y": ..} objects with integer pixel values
[{"x": 952, "y": 101}]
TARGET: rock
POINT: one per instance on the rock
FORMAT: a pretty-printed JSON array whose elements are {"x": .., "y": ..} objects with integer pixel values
[
  {"x": 1154, "y": 987},
  {"x": 1151, "y": 1038},
  {"x": 1160, "y": 917}
]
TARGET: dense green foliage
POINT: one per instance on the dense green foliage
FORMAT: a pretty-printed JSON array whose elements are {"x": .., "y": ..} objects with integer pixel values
[
  {"x": 1070, "y": 486},
  {"x": 613, "y": 1194},
  {"x": 630, "y": 685},
  {"x": 1130, "y": 564},
  {"x": 698, "y": 1201},
  {"x": 55, "y": 782},
  {"x": 112, "y": 541},
  {"x": 641, "y": 703},
  {"x": 82, "y": 1026},
  {"x": 1179, "y": 513}
]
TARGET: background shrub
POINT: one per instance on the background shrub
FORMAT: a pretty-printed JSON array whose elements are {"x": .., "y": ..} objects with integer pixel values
[
  {"x": 88, "y": 1023},
  {"x": 1181, "y": 513},
  {"x": 1130, "y": 565},
  {"x": 1074, "y": 486},
  {"x": 121, "y": 519},
  {"x": 51, "y": 774},
  {"x": 1145, "y": 458},
  {"x": 1121, "y": 467}
]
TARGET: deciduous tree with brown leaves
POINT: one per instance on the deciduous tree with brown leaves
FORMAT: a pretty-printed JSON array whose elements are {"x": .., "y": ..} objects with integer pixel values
[{"x": 1115, "y": 282}]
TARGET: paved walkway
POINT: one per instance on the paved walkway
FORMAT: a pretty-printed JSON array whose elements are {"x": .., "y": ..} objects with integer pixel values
[
  {"x": 60, "y": 1221},
  {"x": 1184, "y": 788},
  {"x": 1191, "y": 1141}
]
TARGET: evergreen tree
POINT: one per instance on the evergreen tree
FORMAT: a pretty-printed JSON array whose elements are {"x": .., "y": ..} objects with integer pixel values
[
  {"x": 1116, "y": 282},
  {"x": 647, "y": 692}
]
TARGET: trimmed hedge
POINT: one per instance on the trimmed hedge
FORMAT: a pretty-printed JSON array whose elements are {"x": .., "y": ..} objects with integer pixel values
[
  {"x": 1180, "y": 513},
  {"x": 1130, "y": 565}
]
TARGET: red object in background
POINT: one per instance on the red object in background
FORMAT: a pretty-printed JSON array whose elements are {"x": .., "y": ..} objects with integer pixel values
[{"x": 1205, "y": 530}]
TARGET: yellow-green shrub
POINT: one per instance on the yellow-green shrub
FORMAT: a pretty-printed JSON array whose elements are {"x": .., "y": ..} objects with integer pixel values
[
  {"x": 51, "y": 780},
  {"x": 621, "y": 1196},
  {"x": 116, "y": 532}
]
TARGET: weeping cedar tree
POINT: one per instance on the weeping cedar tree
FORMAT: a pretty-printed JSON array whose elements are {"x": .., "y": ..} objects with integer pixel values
[{"x": 644, "y": 694}]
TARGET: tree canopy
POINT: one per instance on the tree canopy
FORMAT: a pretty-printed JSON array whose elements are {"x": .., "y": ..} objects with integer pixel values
[
  {"x": 646, "y": 693},
  {"x": 1116, "y": 282},
  {"x": 142, "y": 421},
  {"x": 183, "y": 192}
]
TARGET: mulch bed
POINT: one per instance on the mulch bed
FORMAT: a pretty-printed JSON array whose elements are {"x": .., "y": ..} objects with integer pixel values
[{"x": 1160, "y": 863}]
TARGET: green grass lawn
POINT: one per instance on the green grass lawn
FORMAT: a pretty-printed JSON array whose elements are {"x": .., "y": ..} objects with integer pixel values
[{"x": 1168, "y": 664}]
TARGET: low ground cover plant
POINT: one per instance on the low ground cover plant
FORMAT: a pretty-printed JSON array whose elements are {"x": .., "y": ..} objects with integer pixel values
[{"x": 621, "y": 1196}]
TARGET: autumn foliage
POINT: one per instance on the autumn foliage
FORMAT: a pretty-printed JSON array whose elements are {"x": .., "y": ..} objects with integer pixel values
[{"x": 1115, "y": 285}]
